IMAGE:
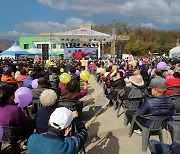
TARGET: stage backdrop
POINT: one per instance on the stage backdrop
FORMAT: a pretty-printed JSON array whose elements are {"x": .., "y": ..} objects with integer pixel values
[{"x": 79, "y": 53}]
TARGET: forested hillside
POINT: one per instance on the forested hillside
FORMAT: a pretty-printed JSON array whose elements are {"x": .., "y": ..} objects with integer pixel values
[
  {"x": 142, "y": 39},
  {"x": 5, "y": 44}
]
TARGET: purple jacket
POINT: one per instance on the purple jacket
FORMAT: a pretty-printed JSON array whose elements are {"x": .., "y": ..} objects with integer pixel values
[{"x": 12, "y": 115}]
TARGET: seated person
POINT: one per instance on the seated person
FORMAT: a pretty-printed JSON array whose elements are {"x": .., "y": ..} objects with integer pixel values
[
  {"x": 7, "y": 77},
  {"x": 134, "y": 88},
  {"x": 59, "y": 138},
  {"x": 173, "y": 82},
  {"x": 43, "y": 84},
  {"x": 27, "y": 82},
  {"x": 158, "y": 78},
  {"x": 71, "y": 90},
  {"x": 11, "y": 114},
  {"x": 48, "y": 100},
  {"x": 159, "y": 147},
  {"x": 117, "y": 85},
  {"x": 158, "y": 105}
]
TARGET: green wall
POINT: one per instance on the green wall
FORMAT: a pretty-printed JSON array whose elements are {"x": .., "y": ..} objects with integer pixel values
[{"x": 31, "y": 40}]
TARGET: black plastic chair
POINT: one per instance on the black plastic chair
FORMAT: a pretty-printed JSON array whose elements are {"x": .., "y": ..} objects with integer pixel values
[
  {"x": 130, "y": 105},
  {"x": 155, "y": 127},
  {"x": 173, "y": 126},
  {"x": 13, "y": 143}
]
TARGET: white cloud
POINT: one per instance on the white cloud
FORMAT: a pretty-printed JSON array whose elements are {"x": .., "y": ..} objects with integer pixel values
[
  {"x": 162, "y": 11},
  {"x": 37, "y": 27},
  {"x": 148, "y": 25},
  {"x": 13, "y": 35},
  {"x": 34, "y": 28}
]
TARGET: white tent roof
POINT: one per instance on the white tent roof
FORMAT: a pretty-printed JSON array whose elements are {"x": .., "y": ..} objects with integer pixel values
[
  {"x": 84, "y": 32},
  {"x": 13, "y": 51},
  {"x": 174, "y": 52},
  {"x": 34, "y": 50},
  {"x": 15, "y": 47}
]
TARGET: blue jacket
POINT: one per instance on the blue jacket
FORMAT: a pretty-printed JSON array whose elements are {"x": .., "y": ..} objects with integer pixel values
[
  {"x": 53, "y": 143},
  {"x": 157, "y": 106},
  {"x": 42, "y": 118},
  {"x": 162, "y": 105}
]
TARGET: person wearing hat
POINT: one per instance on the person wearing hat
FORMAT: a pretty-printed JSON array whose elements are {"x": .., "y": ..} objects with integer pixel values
[
  {"x": 59, "y": 138},
  {"x": 159, "y": 104},
  {"x": 134, "y": 86}
]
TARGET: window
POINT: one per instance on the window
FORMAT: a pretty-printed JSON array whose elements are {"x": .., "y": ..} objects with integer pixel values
[
  {"x": 26, "y": 46},
  {"x": 53, "y": 46},
  {"x": 39, "y": 46}
]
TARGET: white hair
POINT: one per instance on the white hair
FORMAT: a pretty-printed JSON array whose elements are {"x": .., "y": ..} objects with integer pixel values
[{"x": 48, "y": 97}]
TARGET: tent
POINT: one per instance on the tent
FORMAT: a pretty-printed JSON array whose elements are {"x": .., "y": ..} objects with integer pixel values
[
  {"x": 34, "y": 51},
  {"x": 13, "y": 51},
  {"x": 174, "y": 52}
]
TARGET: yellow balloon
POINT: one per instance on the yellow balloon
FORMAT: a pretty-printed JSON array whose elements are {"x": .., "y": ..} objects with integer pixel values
[
  {"x": 48, "y": 62},
  {"x": 84, "y": 75},
  {"x": 103, "y": 71},
  {"x": 29, "y": 73},
  {"x": 133, "y": 63},
  {"x": 114, "y": 68},
  {"x": 65, "y": 78}
]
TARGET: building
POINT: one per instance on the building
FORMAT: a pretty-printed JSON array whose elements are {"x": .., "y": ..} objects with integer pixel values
[{"x": 56, "y": 43}]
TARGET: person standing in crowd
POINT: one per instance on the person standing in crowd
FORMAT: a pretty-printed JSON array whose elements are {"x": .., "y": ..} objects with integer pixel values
[{"x": 59, "y": 138}]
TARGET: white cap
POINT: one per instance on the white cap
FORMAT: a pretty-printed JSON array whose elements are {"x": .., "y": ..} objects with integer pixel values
[{"x": 61, "y": 118}]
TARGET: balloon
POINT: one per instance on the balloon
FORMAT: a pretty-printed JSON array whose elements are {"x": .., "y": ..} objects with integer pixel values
[
  {"x": 103, "y": 71},
  {"x": 65, "y": 78},
  {"x": 121, "y": 70},
  {"x": 1, "y": 132},
  {"x": 84, "y": 75},
  {"x": 48, "y": 62},
  {"x": 161, "y": 65},
  {"x": 77, "y": 72},
  {"x": 114, "y": 68},
  {"x": 133, "y": 63},
  {"x": 145, "y": 61},
  {"x": 29, "y": 73},
  {"x": 62, "y": 70},
  {"x": 23, "y": 96},
  {"x": 34, "y": 83},
  {"x": 140, "y": 63}
]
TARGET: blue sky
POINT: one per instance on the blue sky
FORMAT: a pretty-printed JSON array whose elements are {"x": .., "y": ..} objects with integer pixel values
[{"x": 30, "y": 17}]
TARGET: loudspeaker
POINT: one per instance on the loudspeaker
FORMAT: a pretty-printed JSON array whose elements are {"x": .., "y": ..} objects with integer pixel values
[{"x": 45, "y": 51}]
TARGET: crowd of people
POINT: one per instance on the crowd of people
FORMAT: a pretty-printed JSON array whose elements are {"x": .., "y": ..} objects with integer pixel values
[
  {"x": 49, "y": 123},
  {"x": 45, "y": 117},
  {"x": 147, "y": 80}
]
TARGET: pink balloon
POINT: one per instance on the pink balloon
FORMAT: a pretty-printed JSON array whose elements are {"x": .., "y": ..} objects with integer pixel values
[
  {"x": 34, "y": 83},
  {"x": 77, "y": 72},
  {"x": 145, "y": 61},
  {"x": 23, "y": 96},
  {"x": 1, "y": 132},
  {"x": 161, "y": 65}
]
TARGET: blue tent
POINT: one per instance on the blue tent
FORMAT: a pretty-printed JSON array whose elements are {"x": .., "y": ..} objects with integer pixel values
[{"x": 13, "y": 51}]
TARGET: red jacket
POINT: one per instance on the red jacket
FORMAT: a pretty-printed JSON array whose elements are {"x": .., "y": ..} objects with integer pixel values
[{"x": 172, "y": 82}]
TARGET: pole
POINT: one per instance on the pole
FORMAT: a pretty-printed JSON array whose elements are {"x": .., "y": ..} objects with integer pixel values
[{"x": 113, "y": 40}]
